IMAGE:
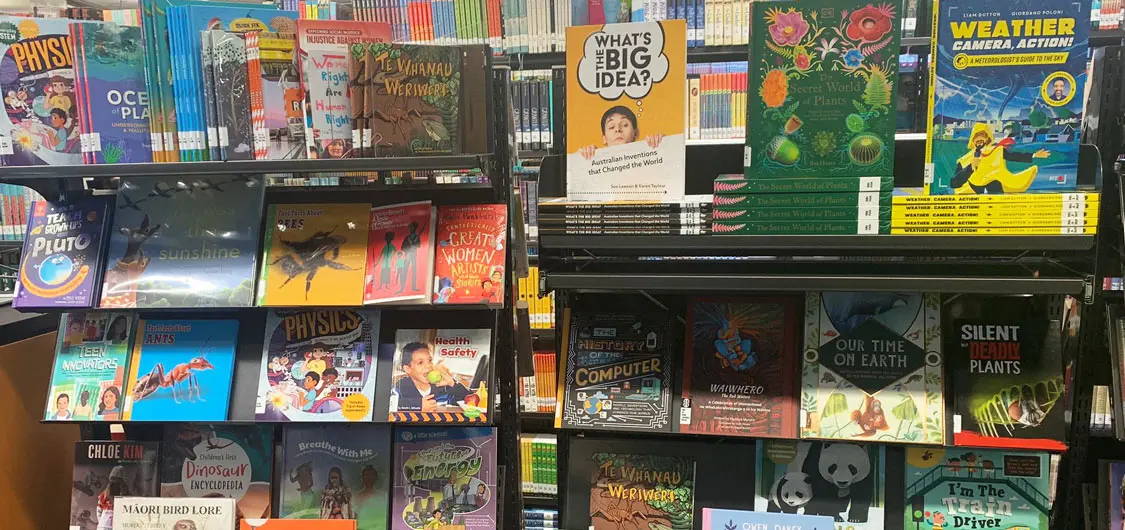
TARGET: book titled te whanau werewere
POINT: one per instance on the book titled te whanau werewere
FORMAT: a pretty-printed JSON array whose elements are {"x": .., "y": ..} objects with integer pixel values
[
  {"x": 440, "y": 376},
  {"x": 654, "y": 488},
  {"x": 204, "y": 460},
  {"x": 840, "y": 480},
  {"x": 337, "y": 472},
  {"x": 62, "y": 253},
  {"x": 444, "y": 477},
  {"x": 825, "y": 105},
  {"x": 181, "y": 370},
  {"x": 1005, "y": 357},
  {"x": 315, "y": 254},
  {"x": 91, "y": 360},
  {"x": 142, "y": 513},
  {"x": 618, "y": 371},
  {"x": 958, "y": 488},
  {"x": 872, "y": 368},
  {"x": 400, "y": 257},
  {"x": 740, "y": 367},
  {"x": 1008, "y": 92},
  {"x": 104, "y": 471},
  {"x": 190, "y": 242},
  {"x": 469, "y": 255},
  {"x": 318, "y": 365}
]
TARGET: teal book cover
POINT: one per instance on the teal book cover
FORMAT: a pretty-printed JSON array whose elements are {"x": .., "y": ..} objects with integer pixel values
[
  {"x": 91, "y": 360},
  {"x": 213, "y": 460},
  {"x": 181, "y": 370}
]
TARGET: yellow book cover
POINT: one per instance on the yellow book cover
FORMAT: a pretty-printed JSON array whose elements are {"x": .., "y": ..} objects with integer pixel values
[
  {"x": 973, "y": 231},
  {"x": 315, "y": 255},
  {"x": 564, "y": 343},
  {"x": 1003, "y": 222},
  {"x": 1029, "y": 217},
  {"x": 1056, "y": 198},
  {"x": 625, "y": 112}
]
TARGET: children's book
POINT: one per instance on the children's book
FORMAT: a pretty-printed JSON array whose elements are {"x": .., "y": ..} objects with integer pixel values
[
  {"x": 840, "y": 480},
  {"x": 203, "y": 460},
  {"x": 281, "y": 95},
  {"x": 823, "y": 109},
  {"x": 358, "y": 80},
  {"x": 104, "y": 471},
  {"x": 441, "y": 376},
  {"x": 181, "y": 370},
  {"x": 470, "y": 253},
  {"x": 109, "y": 64},
  {"x": 1005, "y": 358},
  {"x": 618, "y": 372},
  {"x": 289, "y": 524},
  {"x": 41, "y": 127},
  {"x": 91, "y": 360},
  {"x": 232, "y": 95},
  {"x": 400, "y": 258},
  {"x": 1111, "y": 492},
  {"x": 1007, "y": 93},
  {"x": 740, "y": 366},
  {"x": 318, "y": 365},
  {"x": 143, "y": 513},
  {"x": 444, "y": 477},
  {"x": 872, "y": 368},
  {"x": 417, "y": 96},
  {"x": 718, "y": 519},
  {"x": 337, "y": 472},
  {"x": 62, "y": 253},
  {"x": 188, "y": 242},
  {"x": 654, "y": 488},
  {"x": 958, "y": 488},
  {"x": 315, "y": 254},
  {"x": 322, "y": 47}
]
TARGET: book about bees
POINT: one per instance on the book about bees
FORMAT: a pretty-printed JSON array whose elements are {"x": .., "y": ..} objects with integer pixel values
[
  {"x": 625, "y": 111},
  {"x": 400, "y": 258},
  {"x": 470, "y": 253},
  {"x": 826, "y": 76},
  {"x": 1007, "y": 93},
  {"x": 214, "y": 460},
  {"x": 872, "y": 367},
  {"x": 188, "y": 242},
  {"x": 318, "y": 365},
  {"x": 658, "y": 489},
  {"x": 441, "y": 376},
  {"x": 181, "y": 370},
  {"x": 62, "y": 253},
  {"x": 445, "y": 478},
  {"x": 315, "y": 254},
  {"x": 960, "y": 488},
  {"x": 336, "y": 472},
  {"x": 1005, "y": 358},
  {"x": 91, "y": 359},
  {"x": 42, "y": 122},
  {"x": 105, "y": 471},
  {"x": 739, "y": 367}
]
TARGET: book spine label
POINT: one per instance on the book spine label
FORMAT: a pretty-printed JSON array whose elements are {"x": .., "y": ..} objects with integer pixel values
[
  {"x": 858, "y": 227},
  {"x": 729, "y": 215},
  {"x": 805, "y": 200},
  {"x": 1058, "y": 198},
  {"x": 739, "y": 185},
  {"x": 1015, "y": 231}
]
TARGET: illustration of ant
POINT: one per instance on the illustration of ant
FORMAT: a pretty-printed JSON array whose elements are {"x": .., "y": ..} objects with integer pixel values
[{"x": 183, "y": 372}]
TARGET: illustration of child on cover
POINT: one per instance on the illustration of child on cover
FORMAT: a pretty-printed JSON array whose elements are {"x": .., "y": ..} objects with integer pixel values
[{"x": 984, "y": 168}]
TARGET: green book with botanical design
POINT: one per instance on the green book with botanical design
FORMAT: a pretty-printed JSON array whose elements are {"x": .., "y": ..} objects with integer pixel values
[{"x": 825, "y": 73}]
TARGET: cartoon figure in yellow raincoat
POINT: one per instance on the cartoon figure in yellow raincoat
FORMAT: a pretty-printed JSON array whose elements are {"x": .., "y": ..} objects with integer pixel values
[{"x": 984, "y": 168}]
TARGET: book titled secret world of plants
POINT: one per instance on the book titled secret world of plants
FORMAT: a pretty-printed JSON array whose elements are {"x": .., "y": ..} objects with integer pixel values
[{"x": 826, "y": 74}]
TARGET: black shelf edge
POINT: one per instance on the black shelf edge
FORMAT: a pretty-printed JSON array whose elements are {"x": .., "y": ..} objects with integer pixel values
[
  {"x": 539, "y": 500},
  {"x": 537, "y": 422},
  {"x": 248, "y": 309},
  {"x": 818, "y": 243},
  {"x": 382, "y": 187},
  {"x": 797, "y": 282}
]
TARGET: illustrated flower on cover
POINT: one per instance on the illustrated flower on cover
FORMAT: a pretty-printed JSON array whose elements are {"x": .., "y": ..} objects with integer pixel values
[
  {"x": 775, "y": 88},
  {"x": 870, "y": 23},
  {"x": 853, "y": 59},
  {"x": 801, "y": 59},
  {"x": 788, "y": 28}
]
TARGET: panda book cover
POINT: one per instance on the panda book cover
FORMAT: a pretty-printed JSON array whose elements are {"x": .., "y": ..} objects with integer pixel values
[
  {"x": 189, "y": 242},
  {"x": 659, "y": 490},
  {"x": 336, "y": 471},
  {"x": 205, "y": 460},
  {"x": 141, "y": 513},
  {"x": 844, "y": 481},
  {"x": 1007, "y": 96},
  {"x": 104, "y": 471},
  {"x": 618, "y": 371},
  {"x": 872, "y": 367},
  {"x": 91, "y": 360},
  {"x": 318, "y": 365},
  {"x": 958, "y": 488},
  {"x": 444, "y": 478},
  {"x": 1005, "y": 358},
  {"x": 62, "y": 254},
  {"x": 739, "y": 367}
]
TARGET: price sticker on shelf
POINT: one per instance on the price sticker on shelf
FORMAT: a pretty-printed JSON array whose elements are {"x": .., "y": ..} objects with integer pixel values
[{"x": 6, "y": 146}]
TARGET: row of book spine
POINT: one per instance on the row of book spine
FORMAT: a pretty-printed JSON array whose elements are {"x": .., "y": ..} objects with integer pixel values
[
  {"x": 541, "y": 308},
  {"x": 540, "y": 519},
  {"x": 1106, "y": 14},
  {"x": 533, "y": 109},
  {"x": 529, "y": 197},
  {"x": 15, "y": 203},
  {"x": 444, "y": 22},
  {"x": 1102, "y": 422},
  {"x": 121, "y": 17},
  {"x": 539, "y": 464},
  {"x": 716, "y": 106},
  {"x": 310, "y": 9},
  {"x": 538, "y": 393}
]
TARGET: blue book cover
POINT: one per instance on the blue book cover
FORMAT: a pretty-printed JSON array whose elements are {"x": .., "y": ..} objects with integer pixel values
[
  {"x": 190, "y": 242},
  {"x": 716, "y": 519},
  {"x": 1008, "y": 92},
  {"x": 181, "y": 370},
  {"x": 62, "y": 253}
]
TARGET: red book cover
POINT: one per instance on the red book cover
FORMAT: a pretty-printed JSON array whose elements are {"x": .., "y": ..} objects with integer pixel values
[
  {"x": 740, "y": 365},
  {"x": 400, "y": 253},
  {"x": 471, "y": 246}
]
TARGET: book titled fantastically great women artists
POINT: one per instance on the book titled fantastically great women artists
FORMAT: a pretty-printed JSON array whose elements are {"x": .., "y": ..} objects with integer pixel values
[{"x": 625, "y": 139}]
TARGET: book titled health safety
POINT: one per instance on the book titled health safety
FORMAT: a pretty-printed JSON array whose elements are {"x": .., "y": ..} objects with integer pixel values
[{"x": 626, "y": 114}]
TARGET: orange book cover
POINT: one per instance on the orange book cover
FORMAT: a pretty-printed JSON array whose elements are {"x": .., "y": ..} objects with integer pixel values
[{"x": 297, "y": 524}]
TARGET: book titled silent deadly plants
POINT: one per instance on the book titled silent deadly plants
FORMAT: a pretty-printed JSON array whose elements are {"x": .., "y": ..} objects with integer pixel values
[
  {"x": 143, "y": 513},
  {"x": 444, "y": 477},
  {"x": 105, "y": 471},
  {"x": 62, "y": 253},
  {"x": 91, "y": 360}
]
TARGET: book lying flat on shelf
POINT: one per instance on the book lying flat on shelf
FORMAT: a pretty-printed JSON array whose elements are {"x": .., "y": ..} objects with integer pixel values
[
  {"x": 839, "y": 480},
  {"x": 144, "y": 513},
  {"x": 63, "y": 253},
  {"x": 337, "y": 472},
  {"x": 440, "y": 376},
  {"x": 204, "y": 460},
  {"x": 91, "y": 360},
  {"x": 444, "y": 477},
  {"x": 400, "y": 258},
  {"x": 105, "y": 471},
  {"x": 716, "y": 519}
]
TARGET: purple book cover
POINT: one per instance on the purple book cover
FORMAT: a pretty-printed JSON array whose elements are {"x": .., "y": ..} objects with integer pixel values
[
  {"x": 62, "y": 254},
  {"x": 1116, "y": 495},
  {"x": 444, "y": 477},
  {"x": 113, "y": 77}
]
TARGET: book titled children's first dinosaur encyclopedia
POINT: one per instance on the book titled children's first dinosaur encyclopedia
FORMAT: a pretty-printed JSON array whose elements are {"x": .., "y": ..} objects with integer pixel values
[
  {"x": 1007, "y": 85},
  {"x": 315, "y": 254},
  {"x": 62, "y": 253},
  {"x": 204, "y": 460},
  {"x": 91, "y": 360},
  {"x": 872, "y": 367}
]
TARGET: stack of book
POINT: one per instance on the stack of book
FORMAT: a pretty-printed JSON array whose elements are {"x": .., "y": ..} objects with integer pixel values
[
  {"x": 539, "y": 462},
  {"x": 540, "y": 519},
  {"x": 800, "y": 205},
  {"x": 1019, "y": 214},
  {"x": 532, "y": 109},
  {"x": 1101, "y": 412},
  {"x": 557, "y": 216},
  {"x": 1105, "y": 14},
  {"x": 540, "y": 308},
  {"x": 15, "y": 205},
  {"x": 538, "y": 392}
]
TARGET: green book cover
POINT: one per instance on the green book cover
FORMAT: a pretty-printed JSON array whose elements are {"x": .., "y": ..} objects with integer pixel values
[
  {"x": 804, "y": 228},
  {"x": 840, "y": 213},
  {"x": 740, "y": 185},
  {"x": 804, "y": 200},
  {"x": 825, "y": 73}
]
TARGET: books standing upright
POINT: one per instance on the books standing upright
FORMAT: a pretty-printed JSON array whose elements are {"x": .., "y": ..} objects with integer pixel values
[
  {"x": 1007, "y": 93},
  {"x": 91, "y": 360},
  {"x": 444, "y": 477},
  {"x": 235, "y": 461},
  {"x": 104, "y": 471},
  {"x": 470, "y": 252},
  {"x": 62, "y": 254},
  {"x": 400, "y": 258},
  {"x": 440, "y": 376},
  {"x": 872, "y": 368},
  {"x": 847, "y": 482},
  {"x": 659, "y": 488},
  {"x": 143, "y": 513}
]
